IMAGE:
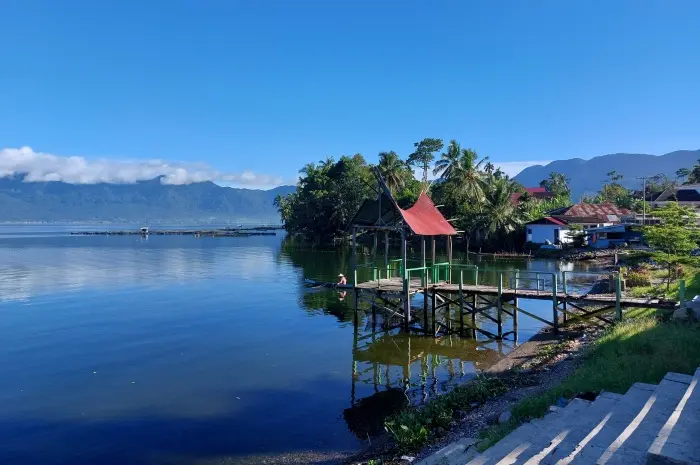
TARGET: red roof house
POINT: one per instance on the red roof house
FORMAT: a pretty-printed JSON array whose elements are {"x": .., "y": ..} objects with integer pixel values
[{"x": 536, "y": 192}]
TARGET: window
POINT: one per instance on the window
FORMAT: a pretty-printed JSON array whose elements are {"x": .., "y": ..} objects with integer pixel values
[{"x": 529, "y": 230}]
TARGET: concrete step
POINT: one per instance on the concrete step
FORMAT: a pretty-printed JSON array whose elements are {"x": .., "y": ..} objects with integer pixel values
[
  {"x": 632, "y": 429},
  {"x": 457, "y": 453},
  {"x": 557, "y": 438},
  {"x": 678, "y": 441},
  {"x": 539, "y": 434}
]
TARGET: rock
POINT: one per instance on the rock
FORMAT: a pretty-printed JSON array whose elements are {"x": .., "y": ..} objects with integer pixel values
[
  {"x": 561, "y": 402},
  {"x": 474, "y": 405},
  {"x": 504, "y": 417},
  {"x": 680, "y": 314},
  {"x": 407, "y": 458},
  {"x": 491, "y": 418}
]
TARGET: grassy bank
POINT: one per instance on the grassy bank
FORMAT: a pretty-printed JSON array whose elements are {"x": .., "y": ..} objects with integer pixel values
[{"x": 640, "y": 349}]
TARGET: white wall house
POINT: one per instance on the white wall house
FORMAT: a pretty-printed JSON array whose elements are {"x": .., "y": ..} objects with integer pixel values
[{"x": 548, "y": 229}]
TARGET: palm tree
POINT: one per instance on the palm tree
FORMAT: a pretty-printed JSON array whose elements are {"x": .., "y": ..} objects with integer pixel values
[
  {"x": 466, "y": 176},
  {"x": 501, "y": 216},
  {"x": 448, "y": 161},
  {"x": 393, "y": 170},
  {"x": 489, "y": 168}
]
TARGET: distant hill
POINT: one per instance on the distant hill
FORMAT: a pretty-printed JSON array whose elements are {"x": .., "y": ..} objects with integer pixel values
[
  {"x": 145, "y": 202},
  {"x": 587, "y": 176}
]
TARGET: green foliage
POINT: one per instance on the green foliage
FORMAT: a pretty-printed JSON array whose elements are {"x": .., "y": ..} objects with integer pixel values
[
  {"x": 424, "y": 154},
  {"x": 558, "y": 184},
  {"x": 694, "y": 176},
  {"x": 682, "y": 174},
  {"x": 638, "y": 278},
  {"x": 328, "y": 195},
  {"x": 675, "y": 237},
  {"x": 411, "y": 428},
  {"x": 640, "y": 349}
]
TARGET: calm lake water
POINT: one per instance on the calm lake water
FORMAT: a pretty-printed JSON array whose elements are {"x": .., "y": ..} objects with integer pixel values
[{"x": 176, "y": 349}]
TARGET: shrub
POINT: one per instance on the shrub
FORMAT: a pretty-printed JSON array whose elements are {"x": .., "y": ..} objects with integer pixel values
[{"x": 638, "y": 278}]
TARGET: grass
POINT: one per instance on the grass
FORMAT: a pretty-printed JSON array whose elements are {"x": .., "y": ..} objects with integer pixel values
[
  {"x": 640, "y": 349},
  {"x": 412, "y": 427}
]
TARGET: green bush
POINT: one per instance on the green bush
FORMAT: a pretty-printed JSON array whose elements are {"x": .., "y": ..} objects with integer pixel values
[
  {"x": 411, "y": 428},
  {"x": 638, "y": 278}
]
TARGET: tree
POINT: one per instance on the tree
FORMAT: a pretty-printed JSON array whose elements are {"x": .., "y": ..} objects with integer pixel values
[
  {"x": 448, "y": 161},
  {"x": 501, "y": 218},
  {"x": 467, "y": 180},
  {"x": 694, "y": 176},
  {"x": 424, "y": 155},
  {"x": 682, "y": 174},
  {"x": 675, "y": 237},
  {"x": 393, "y": 170},
  {"x": 557, "y": 183},
  {"x": 489, "y": 168},
  {"x": 614, "y": 176}
]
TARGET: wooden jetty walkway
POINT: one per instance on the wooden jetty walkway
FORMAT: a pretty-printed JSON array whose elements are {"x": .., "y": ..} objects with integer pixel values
[{"x": 453, "y": 305}]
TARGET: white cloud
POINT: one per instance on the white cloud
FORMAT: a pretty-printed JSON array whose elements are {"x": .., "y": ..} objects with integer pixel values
[
  {"x": 512, "y": 168},
  {"x": 37, "y": 166}
]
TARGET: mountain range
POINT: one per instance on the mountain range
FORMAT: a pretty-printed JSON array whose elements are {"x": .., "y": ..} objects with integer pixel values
[
  {"x": 147, "y": 202},
  {"x": 587, "y": 176}
]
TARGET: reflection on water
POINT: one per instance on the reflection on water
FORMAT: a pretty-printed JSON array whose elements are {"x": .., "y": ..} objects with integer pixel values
[{"x": 177, "y": 349}]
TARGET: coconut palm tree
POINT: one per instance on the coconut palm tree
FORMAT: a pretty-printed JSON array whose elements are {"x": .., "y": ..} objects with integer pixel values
[
  {"x": 489, "y": 168},
  {"x": 467, "y": 178},
  {"x": 501, "y": 217},
  {"x": 393, "y": 170},
  {"x": 448, "y": 161}
]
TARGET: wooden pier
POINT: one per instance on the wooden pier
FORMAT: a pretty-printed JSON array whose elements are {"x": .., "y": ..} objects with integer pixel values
[{"x": 455, "y": 305}]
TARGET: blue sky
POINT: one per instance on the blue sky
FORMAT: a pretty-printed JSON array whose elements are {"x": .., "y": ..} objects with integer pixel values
[{"x": 264, "y": 87}]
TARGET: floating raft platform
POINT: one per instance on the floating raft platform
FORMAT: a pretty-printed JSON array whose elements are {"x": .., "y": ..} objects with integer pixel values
[{"x": 224, "y": 232}]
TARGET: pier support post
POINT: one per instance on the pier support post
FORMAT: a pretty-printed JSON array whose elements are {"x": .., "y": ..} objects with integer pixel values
[
  {"x": 433, "y": 310},
  {"x": 461, "y": 303},
  {"x": 474, "y": 315},
  {"x": 405, "y": 277},
  {"x": 353, "y": 261},
  {"x": 515, "y": 306},
  {"x": 499, "y": 305},
  {"x": 555, "y": 303},
  {"x": 681, "y": 293},
  {"x": 563, "y": 304},
  {"x": 618, "y": 297}
]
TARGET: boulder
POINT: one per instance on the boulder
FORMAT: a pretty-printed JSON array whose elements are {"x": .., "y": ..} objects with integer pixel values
[
  {"x": 504, "y": 417},
  {"x": 681, "y": 314}
]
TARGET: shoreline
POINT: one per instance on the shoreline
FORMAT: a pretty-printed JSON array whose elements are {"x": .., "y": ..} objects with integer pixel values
[{"x": 532, "y": 368}]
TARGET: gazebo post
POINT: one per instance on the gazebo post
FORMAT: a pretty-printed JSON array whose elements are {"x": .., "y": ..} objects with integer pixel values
[
  {"x": 432, "y": 245},
  {"x": 353, "y": 261},
  {"x": 386, "y": 250},
  {"x": 405, "y": 279},
  {"x": 449, "y": 258}
]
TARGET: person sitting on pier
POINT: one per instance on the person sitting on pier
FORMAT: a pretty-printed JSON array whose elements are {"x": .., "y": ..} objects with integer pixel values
[{"x": 342, "y": 281}]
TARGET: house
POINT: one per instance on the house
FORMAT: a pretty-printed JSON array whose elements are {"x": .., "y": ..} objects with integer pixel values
[
  {"x": 688, "y": 194},
  {"x": 590, "y": 215},
  {"x": 536, "y": 192},
  {"x": 613, "y": 236},
  {"x": 547, "y": 229}
]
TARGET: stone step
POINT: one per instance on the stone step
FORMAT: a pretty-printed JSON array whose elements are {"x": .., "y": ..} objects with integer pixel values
[
  {"x": 561, "y": 435},
  {"x": 533, "y": 437},
  {"x": 457, "y": 453},
  {"x": 630, "y": 432},
  {"x": 678, "y": 441}
]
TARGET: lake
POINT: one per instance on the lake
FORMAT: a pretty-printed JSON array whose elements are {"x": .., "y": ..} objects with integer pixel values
[{"x": 175, "y": 349}]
